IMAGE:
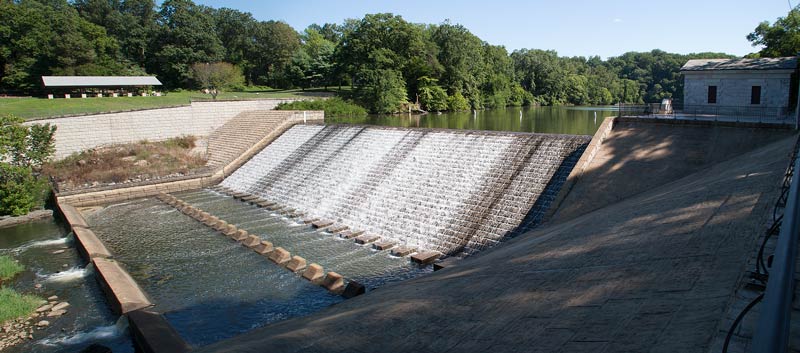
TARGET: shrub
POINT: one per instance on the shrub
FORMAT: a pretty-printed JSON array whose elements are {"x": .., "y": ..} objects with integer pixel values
[
  {"x": 458, "y": 103},
  {"x": 333, "y": 107},
  {"x": 433, "y": 98},
  {"x": 20, "y": 190}
]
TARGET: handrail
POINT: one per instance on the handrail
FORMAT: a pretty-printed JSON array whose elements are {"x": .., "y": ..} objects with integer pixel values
[{"x": 772, "y": 330}]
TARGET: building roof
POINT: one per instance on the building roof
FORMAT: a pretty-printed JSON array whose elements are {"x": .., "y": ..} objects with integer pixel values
[
  {"x": 786, "y": 63},
  {"x": 99, "y": 81}
]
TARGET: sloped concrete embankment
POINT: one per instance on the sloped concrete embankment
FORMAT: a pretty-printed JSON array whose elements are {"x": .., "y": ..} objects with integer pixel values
[{"x": 646, "y": 269}]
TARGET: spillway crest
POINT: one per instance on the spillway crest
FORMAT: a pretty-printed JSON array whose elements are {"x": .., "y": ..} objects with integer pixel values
[{"x": 456, "y": 192}]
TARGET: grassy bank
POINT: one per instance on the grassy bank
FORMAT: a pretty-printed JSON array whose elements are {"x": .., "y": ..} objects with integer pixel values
[
  {"x": 9, "y": 268},
  {"x": 31, "y": 108},
  {"x": 13, "y": 304}
]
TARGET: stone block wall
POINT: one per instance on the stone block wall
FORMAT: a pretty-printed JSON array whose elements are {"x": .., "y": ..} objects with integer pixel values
[
  {"x": 80, "y": 133},
  {"x": 734, "y": 89}
]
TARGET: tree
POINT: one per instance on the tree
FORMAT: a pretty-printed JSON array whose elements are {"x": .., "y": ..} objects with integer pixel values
[
  {"x": 38, "y": 38},
  {"x": 779, "y": 39},
  {"x": 381, "y": 91},
  {"x": 23, "y": 149},
  {"x": 461, "y": 55},
  {"x": 275, "y": 43},
  {"x": 217, "y": 76},
  {"x": 186, "y": 36}
]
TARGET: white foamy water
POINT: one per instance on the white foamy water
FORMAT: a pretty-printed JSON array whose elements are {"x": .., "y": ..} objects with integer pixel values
[
  {"x": 451, "y": 191},
  {"x": 96, "y": 334},
  {"x": 65, "y": 276},
  {"x": 39, "y": 244}
]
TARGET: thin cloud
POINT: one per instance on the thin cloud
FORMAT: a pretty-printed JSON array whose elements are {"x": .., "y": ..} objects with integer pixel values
[{"x": 617, "y": 20}]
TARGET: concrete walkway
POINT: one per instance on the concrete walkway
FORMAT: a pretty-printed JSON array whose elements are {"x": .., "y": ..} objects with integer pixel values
[{"x": 653, "y": 272}]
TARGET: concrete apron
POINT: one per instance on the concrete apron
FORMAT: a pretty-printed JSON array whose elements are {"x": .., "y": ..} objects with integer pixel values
[{"x": 151, "y": 332}]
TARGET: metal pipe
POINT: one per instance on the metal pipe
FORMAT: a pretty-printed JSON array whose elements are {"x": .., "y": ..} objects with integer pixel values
[{"x": 772, "y": 330}]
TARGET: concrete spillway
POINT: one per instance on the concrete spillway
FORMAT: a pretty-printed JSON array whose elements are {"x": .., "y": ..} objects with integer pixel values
[{"x": 454, "y": 192}]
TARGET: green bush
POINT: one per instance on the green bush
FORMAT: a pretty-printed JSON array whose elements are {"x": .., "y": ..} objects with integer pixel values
[
  {"x": 9, "y": 268},
  {"x": 14, "y": 305},
  {"x": 333, "y": 107},
  {"x": 20, "y": 190},
  {"x": 433, "y": 98},
  {"x": 458, "y": 103},
  {"x": 23, "y": 149}
]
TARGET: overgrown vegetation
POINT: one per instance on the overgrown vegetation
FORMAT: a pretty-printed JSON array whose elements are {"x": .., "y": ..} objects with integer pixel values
[
  {"x": 127, "y": 163},
  {"x": 23, "y": 150},
  {"x": 9, "y": 268},
  {"x": 14, "y": 305},
  {"x": 333, "y": 107}
]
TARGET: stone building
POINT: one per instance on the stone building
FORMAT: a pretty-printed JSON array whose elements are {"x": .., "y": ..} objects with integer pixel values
[{"x": 757, "y": 87}]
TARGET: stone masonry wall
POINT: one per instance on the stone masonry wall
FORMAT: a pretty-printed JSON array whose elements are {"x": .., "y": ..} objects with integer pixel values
[
  {"x": 80, "y": 133},
  {"x": 733, "y": 89}
]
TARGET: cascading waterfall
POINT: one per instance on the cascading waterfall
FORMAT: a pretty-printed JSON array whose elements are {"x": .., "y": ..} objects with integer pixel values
[{"x": 456, "y": 192}]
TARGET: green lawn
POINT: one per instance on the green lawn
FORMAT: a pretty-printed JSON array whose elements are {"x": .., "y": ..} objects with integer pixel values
[
  {"x": 14, "y": 305},
  {"x": 31, "y": 108},
  {"x": 9, "y": 268}
]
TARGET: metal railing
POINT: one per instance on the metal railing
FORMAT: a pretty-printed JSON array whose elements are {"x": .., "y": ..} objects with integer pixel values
[
  {"x": 737, "y": 113},
  {"x": 773, "y": 326}
]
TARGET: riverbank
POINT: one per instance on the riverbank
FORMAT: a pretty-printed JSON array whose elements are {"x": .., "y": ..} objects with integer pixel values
[{"x": 10, "y": 221}]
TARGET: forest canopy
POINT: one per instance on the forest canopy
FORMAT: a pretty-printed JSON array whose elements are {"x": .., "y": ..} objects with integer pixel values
[{"x": 387, "y": 60}]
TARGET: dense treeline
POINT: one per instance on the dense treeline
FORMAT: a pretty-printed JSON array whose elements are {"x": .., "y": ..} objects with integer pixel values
[{"x": 387, "y": 60}]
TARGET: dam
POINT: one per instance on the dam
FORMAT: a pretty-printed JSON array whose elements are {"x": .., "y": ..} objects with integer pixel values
[
  {"x": 452, "y": 192},
  {"x": 560, "y": 242}
]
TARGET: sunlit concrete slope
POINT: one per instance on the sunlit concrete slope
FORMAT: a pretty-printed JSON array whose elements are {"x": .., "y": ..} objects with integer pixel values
[
  {"x": 651, "y": 273},
  {"x": 641, "y": 154}
]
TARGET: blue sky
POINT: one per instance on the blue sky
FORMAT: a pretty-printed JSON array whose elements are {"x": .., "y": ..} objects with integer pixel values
[{"x": 578, "y": 27}]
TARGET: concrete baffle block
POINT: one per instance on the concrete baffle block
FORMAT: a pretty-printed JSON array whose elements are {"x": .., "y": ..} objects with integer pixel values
[
  {"x": 265, "y": 204},
  {"x": 367, "y": 238},
  {"x": 296, "y": 264},
  {"x": 449, "y": 262},
  {"x": 230, "y": 230},
  {"x": 67, "y": 96},
  {"x": 263, "y": 248},
  {"x": 221, "y": 225},
  {"x": 240, "y": 235},
  {"x": 353, "y": 289},
  {"x": 321, "y": 224},
  {"x": 280, "y": 256},
  {"x": 333, "y": 282},
  {"x": 50, "y": 96},
  {"x": 383, "y": 245},
  {"x": 251, "y": 240},
  {"x": 403, "y": 251},
  {"x": 425, "y": 257},
  {"x": 350, "y": 234},
  {"x": 314, "y": 273}
]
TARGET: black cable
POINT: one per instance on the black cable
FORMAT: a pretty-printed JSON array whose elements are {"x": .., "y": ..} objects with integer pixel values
[
  {"x": 738, "y": 320},
  {"x": 760, "y": 259}
]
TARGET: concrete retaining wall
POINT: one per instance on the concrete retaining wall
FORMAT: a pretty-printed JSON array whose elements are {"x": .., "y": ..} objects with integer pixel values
[
  {"x": 130, "y": 193},
  {"x": 80, "y": 133}
]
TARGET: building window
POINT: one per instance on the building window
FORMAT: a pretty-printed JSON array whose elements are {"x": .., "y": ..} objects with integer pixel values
[
  {"x": 755, "y": 95},
  {"x": 712, "y": 94}
]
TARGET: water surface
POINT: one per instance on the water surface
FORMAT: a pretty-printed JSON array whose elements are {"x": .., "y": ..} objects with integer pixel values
[{"x": 583, "y": 120}]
